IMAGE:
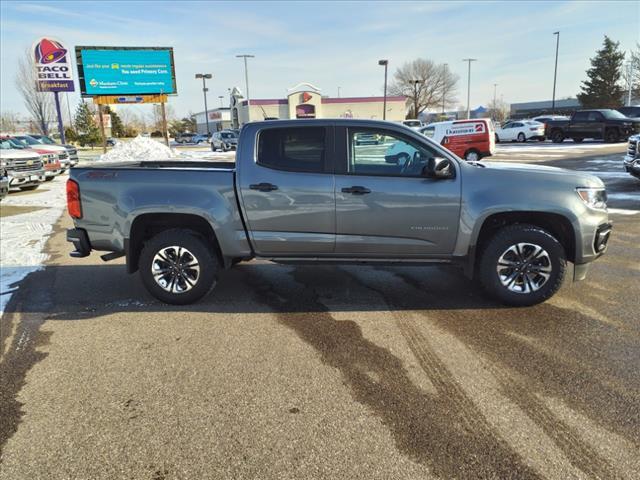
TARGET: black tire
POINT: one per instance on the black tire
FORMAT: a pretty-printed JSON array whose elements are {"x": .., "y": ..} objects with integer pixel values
[
  {"x": 522, "y": 138},
  {"x": 497, "y": 138},
  {"x": 612, "y": 136},
  {"x": 48, "y": 179},
  {"x": 29, "y": 188},
  {"x": 509, "y": 237},
  {"x": 472, "y": 156},
  {"x": 541, "y": 139},
  {"x": 557, "y": 136},
  {"x": 578, "y": 140},
  {"x": 197, "y": 247}
]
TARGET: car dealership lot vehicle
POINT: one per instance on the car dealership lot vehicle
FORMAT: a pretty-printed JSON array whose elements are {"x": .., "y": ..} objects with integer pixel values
[
  {"x": 301, "y": 198},
  {"x": 4, "y": 181},
  {"x": 520, "y": 131},
  {"x": 600, "y": 124},
  {"x": 468, "y": 139},
  {"x": 349, "y": 371},
  {"x": 25, "y": 168},
  {"x": 632, "y": 156},
  {"x": 72, "y": 151}
]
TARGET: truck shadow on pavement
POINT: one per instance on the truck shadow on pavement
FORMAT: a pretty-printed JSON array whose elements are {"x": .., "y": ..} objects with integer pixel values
[{"x": 539, "y": 351}]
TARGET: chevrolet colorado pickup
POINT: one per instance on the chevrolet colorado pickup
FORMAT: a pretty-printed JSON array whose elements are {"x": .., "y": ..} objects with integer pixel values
[
  {"x": 305, "y": 191},
  {"x": 608, "y": 125}
]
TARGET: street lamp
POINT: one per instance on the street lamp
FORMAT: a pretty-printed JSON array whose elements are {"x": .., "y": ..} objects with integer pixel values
[
  {"x": 495, "y": 107},
  {"x": 221, "y": 97},
  {"x": 415, "y": 96},
  {"x": 384, "y": 63},
  {"x": 246, "y": 82},
  {"x": 469, "y": 60},
  {"x": 205, "y": 77},
  {"x": 555, "y": 73}
]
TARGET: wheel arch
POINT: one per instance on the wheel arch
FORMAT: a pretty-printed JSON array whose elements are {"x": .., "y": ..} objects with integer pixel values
[
  {"x": 147, "y": 225},
  {"x": 556, "y": 224}
]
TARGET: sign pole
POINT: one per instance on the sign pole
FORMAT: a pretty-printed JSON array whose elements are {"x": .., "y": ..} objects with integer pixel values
[
  {"x": 165, "y": 133},
  {"x": 60, "y": 124},
  {"x": 104, "y": 137}
]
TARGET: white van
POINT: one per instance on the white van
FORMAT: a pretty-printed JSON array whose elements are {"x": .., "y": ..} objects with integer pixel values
[{"x": 471, "y": 139}]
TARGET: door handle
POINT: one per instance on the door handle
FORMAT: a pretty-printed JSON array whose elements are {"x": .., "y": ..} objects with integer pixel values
[
  {"x": 356, "y": 190},
  {"x": 263, "y": 187}
]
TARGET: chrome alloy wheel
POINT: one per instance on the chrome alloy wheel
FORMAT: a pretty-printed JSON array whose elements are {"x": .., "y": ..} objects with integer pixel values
[
  {"x": 175, "y": 269},
  {"x": 524, "y": 267}
]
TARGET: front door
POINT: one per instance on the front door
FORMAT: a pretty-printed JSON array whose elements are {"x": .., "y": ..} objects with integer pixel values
[
  {"x": 287, "y": 194},
  {"x": 385, "y": 207}
]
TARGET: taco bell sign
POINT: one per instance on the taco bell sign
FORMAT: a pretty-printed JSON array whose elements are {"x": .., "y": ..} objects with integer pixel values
[{"x": 54, "y": 72}]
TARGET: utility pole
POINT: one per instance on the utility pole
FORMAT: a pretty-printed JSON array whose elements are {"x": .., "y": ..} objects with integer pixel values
[
  {"x": 469, "y": 60},
  {"x": 555, "y": 73},
  {"x": 205, "y": 77},
  {"x": 246, "y": 82},
  {"x": 338, "y": 92},
  {"x": 384, "y": 63}
]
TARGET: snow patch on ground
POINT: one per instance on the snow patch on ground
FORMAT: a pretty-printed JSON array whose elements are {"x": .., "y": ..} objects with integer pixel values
[
  {"x": 140, "y": 148},
  {"x": 23, "y": 237},
  {"x": 621, "y": 211}
]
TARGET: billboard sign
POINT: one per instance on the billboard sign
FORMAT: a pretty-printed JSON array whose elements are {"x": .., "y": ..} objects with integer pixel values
[
  {"x": 126, "y": 71},
  {"x": 54, "y": 72}
]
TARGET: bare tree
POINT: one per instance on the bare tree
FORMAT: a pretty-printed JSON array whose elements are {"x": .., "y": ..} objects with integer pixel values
[
  {"x": 631, "y": 73},
  {"x": 426, "y": 84},
  {"x": 499, "y": 109},
  {"x": 39, "y": 104},
  {"x": 9, "y": 121}
]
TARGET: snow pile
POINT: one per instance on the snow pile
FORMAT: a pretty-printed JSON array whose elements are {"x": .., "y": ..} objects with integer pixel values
[
  {"x": 140, "y": 148},
  {"x": 23, "y": 236}
]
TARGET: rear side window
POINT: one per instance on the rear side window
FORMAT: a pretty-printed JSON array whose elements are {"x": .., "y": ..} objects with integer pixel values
[
  {"x": 293, "y": 149},
  {"x": 580, "y": 116}
]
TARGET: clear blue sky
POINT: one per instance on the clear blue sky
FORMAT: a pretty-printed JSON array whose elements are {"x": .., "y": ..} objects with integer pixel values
[{"x": 333, "y": 44}]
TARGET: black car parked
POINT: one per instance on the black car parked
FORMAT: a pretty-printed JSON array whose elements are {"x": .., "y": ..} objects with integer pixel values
[{"x": 601, "y": 124}]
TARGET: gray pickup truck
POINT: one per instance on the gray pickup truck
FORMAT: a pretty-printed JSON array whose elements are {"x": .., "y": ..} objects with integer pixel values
[{"x": 310, "y": 191}]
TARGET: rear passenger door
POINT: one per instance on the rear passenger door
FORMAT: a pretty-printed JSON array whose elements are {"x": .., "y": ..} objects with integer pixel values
[{"x": 287, "y": 192}]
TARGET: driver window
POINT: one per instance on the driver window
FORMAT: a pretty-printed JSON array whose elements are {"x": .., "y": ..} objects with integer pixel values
[{"x": 378, "y": 152}]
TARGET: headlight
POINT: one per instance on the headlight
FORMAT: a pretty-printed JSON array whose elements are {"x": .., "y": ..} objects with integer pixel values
[
  {"x": 3, "y": 163},
  {"x": 593, "y": 197}
]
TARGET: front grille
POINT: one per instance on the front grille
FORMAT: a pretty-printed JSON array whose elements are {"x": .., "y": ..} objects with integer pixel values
[
  {"x": 632, "y": 149},
  {"x": 62, "y": 156},
  {"x": 22, "y": 166}
]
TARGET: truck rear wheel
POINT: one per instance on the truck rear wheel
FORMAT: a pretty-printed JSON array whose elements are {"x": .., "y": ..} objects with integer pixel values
[
  {"x": 557, "y": 136},
  {"x": 522, "y": 265},
  {"x": 178, "y": 267},
  {"x": 612, "y": 136}
]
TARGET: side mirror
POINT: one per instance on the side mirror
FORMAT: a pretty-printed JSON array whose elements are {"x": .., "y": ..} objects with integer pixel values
[{"x": 438, "y": 167}]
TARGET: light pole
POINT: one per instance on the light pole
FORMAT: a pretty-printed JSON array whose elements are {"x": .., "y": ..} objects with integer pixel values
[
  {"x": 444, "y": 85},
  {"x": 555, "y": 73},
  {"x": 415, "y": 96},
  {"x": 204, "y": 77},
  {"x": 469, "y": 60},
  {"x": 495, "y": 107},
  {"x": 384, "y": 63},
  {"x": 221, "y": 97},
  {"x": 246, "y": 82}
]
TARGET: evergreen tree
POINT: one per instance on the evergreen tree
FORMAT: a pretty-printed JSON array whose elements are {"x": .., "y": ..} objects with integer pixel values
[
  {"x": 85, "y": 125},
  {"x": 602, "y": 88}
]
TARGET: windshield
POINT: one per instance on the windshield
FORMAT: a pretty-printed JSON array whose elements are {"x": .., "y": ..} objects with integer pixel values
[
  {"x": 6, "y": 145},
  {"x": 228, "y": 135},
  {"x": 26, "y": 139},
  {"x": 612, "y": 114},
  {"x": 15, "y": 143},
  {"x": 44, "y": 139}
]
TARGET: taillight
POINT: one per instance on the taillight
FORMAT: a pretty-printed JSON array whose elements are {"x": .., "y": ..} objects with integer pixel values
[{"x": 73, "y": 199}]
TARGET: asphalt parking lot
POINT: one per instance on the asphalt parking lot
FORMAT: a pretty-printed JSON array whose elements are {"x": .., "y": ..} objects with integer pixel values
[{"x": 328, "y": 372}]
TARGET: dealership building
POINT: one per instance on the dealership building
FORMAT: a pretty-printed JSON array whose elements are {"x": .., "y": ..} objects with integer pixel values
[
  {"x": 306, "y": 101},
  {"x": 219, "y": 119}
]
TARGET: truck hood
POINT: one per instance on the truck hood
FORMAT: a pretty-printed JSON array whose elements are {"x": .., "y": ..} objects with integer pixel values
[
  {"x": 580, "y": 179},
  {"x": 15, "y": 154}
]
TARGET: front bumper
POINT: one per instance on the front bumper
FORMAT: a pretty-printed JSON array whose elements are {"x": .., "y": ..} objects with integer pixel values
[
  {"x": 80, "y": 240},
  {"x": 632, "y": 165},
  {"x": 26, "y": 178}
]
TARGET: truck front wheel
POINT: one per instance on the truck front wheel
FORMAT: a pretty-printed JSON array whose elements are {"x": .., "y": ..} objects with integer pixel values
[
  {"x": 557, "y": 136},
  {"x": 178, "y": 267},
  {"x": 522, "y": 265},
  {"x": 612, "y": 136}
]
